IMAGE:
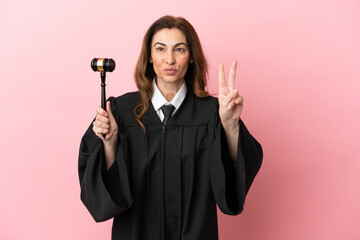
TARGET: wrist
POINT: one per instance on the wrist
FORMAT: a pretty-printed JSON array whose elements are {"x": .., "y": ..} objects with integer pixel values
[
  {"x": 231, "y": 126},
  {"x": 110, "y": 144},
  {"x": 110, "y": 153}
]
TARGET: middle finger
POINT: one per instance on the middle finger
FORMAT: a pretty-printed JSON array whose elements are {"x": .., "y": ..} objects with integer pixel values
[
  {"x": 102, "y": 119},
  {"x": 232, "y": 75}
]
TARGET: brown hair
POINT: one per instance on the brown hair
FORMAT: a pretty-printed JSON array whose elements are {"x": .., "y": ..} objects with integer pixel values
[{"x": 195, "y": 77}]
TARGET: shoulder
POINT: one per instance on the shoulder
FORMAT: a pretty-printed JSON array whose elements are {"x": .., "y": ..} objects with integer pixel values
[
  {"x": 197, "y": 111},
  {"x": 125, "y": 101},
  {"x": 209, "y": 103},
  {"x": 123, "y": 106},
  {"x": 127, "y": 98},
  {"x": 209, "y": 100}
]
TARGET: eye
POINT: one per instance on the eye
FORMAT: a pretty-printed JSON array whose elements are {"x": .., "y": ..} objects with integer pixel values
[
  {"x": 180, "y": 50},
  {"x": 160, "y": 49}
]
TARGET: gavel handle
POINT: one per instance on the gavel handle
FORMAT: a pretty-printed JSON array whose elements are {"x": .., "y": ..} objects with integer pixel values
[{"x": 103, "y": 93}]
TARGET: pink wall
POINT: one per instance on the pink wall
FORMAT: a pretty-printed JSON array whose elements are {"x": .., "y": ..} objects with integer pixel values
[{"x": 299, "y": 72}]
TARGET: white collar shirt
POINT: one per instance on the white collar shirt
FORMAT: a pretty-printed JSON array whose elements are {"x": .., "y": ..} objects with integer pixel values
[{"x": 158, "y": 100}]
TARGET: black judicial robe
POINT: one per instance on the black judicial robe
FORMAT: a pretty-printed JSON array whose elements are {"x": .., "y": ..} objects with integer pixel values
[{"x": 165, "y": 184}]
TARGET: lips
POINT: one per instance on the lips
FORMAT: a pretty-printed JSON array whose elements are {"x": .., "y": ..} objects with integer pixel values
[{"x": 170, "y": 71}]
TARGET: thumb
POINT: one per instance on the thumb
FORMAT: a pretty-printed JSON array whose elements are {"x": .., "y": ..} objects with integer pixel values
[{"x": 108, "y": 109}]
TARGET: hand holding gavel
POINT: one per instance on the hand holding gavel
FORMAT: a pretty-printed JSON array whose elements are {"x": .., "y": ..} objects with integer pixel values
[{"x": 103, "y": 65}]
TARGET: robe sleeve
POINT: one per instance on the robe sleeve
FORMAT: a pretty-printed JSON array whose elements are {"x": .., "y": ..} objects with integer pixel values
[
  {"x": 105, "y": 194},
  {"x": 230, "y": 185}
]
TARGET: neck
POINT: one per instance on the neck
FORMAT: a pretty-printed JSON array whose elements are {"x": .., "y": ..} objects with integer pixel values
[{"x": 169, "y": 90}]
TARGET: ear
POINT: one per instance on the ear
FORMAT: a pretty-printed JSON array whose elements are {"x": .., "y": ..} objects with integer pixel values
[
  {"x": 150, "y": 60},
  {"x": 191, "y": 60}
]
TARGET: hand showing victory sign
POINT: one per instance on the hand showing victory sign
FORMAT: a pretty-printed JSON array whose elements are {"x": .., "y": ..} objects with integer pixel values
[{"x": 230, "y": 102}]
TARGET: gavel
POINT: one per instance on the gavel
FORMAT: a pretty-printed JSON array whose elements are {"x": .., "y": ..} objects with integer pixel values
[{"x": 103, "y": 65}]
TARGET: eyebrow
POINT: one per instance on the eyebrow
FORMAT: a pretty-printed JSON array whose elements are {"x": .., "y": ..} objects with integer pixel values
[{"x": 163, "y": 44}]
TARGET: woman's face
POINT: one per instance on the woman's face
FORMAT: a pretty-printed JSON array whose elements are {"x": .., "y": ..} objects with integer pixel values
[{"x": 170, "y": 55}]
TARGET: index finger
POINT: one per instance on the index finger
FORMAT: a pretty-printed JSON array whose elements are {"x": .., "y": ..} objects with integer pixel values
[
  {"x": 101, "y": 111},
  {"x": 222, "y": 82},
  {"x": 232, "y": 75}
]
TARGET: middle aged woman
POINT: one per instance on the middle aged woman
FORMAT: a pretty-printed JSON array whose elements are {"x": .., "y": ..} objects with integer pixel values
[{"x": 171, "y": 151}]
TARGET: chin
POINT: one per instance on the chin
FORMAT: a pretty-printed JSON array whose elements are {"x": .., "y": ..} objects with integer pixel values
[{"x": 171, "y": 79}]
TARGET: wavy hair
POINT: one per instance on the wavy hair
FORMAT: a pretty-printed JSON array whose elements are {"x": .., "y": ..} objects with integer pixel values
[{"x": 195, "y": 77}]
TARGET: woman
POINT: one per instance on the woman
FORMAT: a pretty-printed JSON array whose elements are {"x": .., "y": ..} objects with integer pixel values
[{"x": 171, "y": 151}]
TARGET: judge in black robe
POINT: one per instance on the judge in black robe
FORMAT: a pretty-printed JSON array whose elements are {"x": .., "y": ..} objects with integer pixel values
[
  {"x": 167, "y": 181},
  {"x": 164, "y": 183}
]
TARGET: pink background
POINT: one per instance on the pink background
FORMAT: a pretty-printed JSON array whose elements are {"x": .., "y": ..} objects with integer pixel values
[{"x": 298, "y": 70}]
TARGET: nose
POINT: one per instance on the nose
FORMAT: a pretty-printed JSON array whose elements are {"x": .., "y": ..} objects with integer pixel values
[{"x": 170, "y": 58}]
